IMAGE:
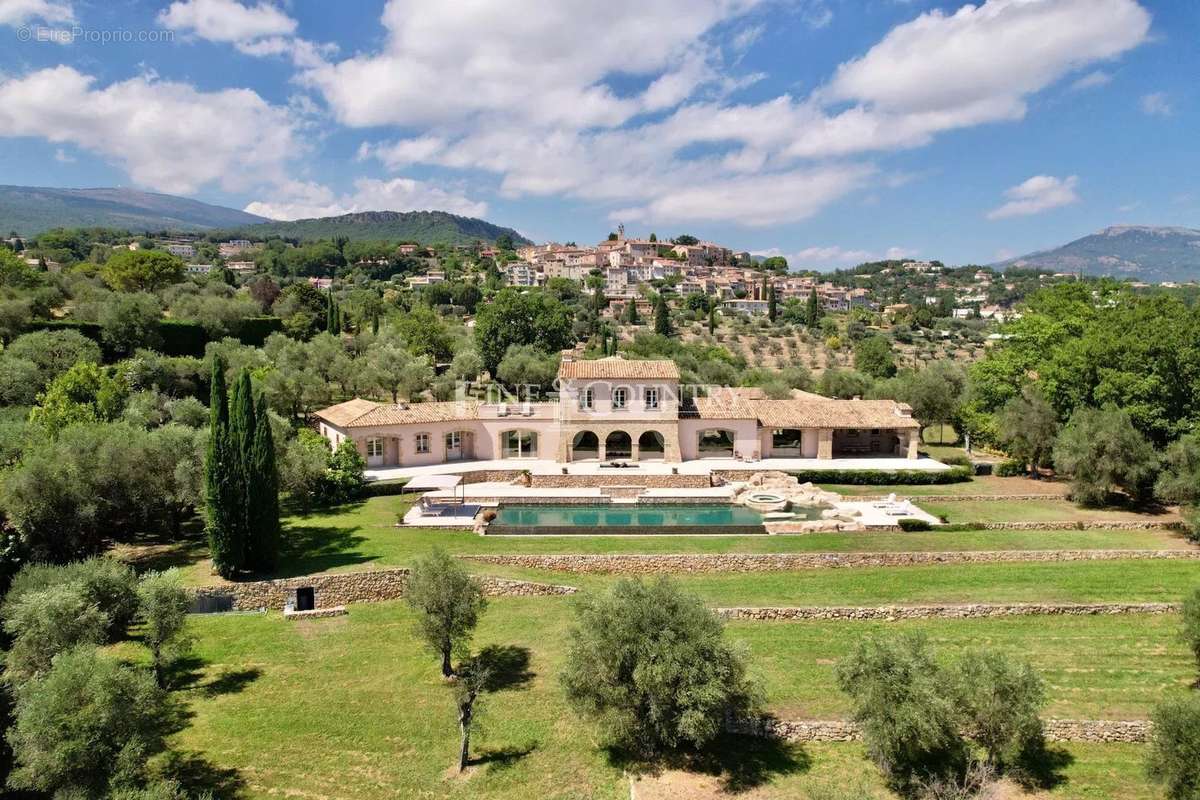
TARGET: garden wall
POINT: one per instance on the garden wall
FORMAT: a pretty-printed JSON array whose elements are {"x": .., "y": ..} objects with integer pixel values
[
  {"x": 787, "y": 562},
  {"x": 1056, "y": 730},
  {"x": 949, "y": 611},
  {"x": 343, "y": 588}
]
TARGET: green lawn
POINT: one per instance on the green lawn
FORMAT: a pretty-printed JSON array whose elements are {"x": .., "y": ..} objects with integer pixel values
[
  {"x": 963, "y": 511},
  {"x": 352, "y": 707},
  {"x": 1066, "y": 582}
]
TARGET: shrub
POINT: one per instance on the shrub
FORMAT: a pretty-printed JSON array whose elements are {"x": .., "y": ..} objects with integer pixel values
[
  {"x": 956, "y": 461},
  {"x": 1011, "y": 468},
  {"x": 650, "y": 663},
  {"x": 384, "y": 488},
  {"x": 882, "y": 477},
  {"x": 910, "y": 524},
  {"x": 1174, "y": 756}
]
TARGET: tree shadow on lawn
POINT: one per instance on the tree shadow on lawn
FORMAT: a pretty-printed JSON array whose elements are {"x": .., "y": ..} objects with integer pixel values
[
  {"x": 741, "y": 762},
  {"x": 161, "y": 550},
  {"x": 197, "y": 775},
  {"x": 506, "y": 665},
  {"x": 186, "y": 674},
  {"x": 308, "y": 549},
  {"x": 501, "y": 757},
  {"x": 1040, "y": 767}
]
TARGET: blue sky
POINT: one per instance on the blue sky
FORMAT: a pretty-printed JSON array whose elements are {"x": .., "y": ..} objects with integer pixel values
[{"x": 831, "y": 131}]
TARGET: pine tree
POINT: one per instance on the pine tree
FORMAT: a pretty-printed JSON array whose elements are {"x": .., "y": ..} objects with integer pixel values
[
  {"x": 662, "y": 317},
  {"x": 262, "y": 546},
  {"x": 222, "y": 495}
]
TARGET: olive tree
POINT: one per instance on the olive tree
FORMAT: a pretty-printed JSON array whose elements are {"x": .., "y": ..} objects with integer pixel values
[
  {"x": 1027, "y": 428},
  {"x": 447, "y": 602},
  {"x": 163, "y": 605},
  {"x": 1191, "y": 623},
  {"x": 87, "y": 727},
  {"x": 999, "y": 700},
  {"x": 651, "y": 664},
  {"x": 46, "y": 623},
  {"x": 898, "y": 700},
  {"x": 1103, "y": 451},
  {"x": 1174, "y": 756}
]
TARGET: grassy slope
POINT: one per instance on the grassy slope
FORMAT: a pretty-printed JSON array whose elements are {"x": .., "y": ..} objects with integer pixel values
[{"x": 353, "y": 707}]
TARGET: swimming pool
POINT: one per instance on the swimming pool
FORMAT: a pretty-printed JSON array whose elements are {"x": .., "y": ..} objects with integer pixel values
[{"x": 640, "y": 518}]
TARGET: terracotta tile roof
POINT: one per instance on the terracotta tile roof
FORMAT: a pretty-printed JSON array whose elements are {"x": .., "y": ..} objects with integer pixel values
[
  {"x": 723, "y": 406},
  {"x": 826, "y": 413},
  {"x": 359, "y": 413},
  {"x": 616, "y": 368},
  {"x": 345, "y": 413}
]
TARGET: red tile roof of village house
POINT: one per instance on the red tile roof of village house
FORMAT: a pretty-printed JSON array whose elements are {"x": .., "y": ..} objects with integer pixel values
[
  {"x": 359, "y": 413},
  {"x": 616, "y": 368}
]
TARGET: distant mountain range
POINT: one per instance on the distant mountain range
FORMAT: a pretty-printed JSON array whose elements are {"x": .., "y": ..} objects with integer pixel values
[
  {"x": 1137, "y": 252},
  {"x": 29, "y": 210},
  {"x": 425, "y": 227}
]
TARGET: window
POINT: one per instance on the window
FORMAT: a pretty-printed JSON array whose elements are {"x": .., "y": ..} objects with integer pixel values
[
  {"x": 651, "y": 398},
  {"x": 620, "y": 397},
  {"x": 518, "y": 444},
  {"x": 374, "y": 448},
  {"x": 586, "y": 399},
  {"x": 453, "y": 440},
  {"x": 422, "y": 440}
]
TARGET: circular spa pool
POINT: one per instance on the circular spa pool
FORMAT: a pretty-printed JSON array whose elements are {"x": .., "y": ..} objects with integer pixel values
[{"x": 766, "y": 501}]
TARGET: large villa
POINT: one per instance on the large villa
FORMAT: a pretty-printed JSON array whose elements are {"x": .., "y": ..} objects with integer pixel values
[{"x": 615, "y": 411}]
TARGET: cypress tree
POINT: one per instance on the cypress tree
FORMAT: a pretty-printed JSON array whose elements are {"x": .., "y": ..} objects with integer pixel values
[
  {"x": 662, "y": 317},
  {"x": 772, "y": 307},
  {"x": 263, "y": 496},
  {"x": 812, "y": 314},
  {"x": 241, "y": 435},
  {"x": 712, "y": 319},
  {"x": 222, "y": 506}
]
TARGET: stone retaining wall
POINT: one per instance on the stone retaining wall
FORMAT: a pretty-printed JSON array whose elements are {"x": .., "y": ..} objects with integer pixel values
[
  {"x": 1056, "y": 730},
  {"x": 787, "y": 562},
  {"x": 953, "y": 611},
  {"x": 343, "y": 588}
]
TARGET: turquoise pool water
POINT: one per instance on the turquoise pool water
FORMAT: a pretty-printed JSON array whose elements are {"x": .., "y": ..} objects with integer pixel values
[{"x": 642, "y": 515}]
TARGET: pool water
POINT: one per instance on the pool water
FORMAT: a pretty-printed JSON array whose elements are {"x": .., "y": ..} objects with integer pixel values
[{"x": 626, "y": 516}]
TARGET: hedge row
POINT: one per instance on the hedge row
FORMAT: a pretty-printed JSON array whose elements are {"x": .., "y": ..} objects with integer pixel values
[
  {"x": 883, "y": 477},
  {"x": 384, "y": 488}
]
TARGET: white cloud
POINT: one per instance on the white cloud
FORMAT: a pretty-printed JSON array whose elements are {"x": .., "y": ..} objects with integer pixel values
[
  {"x": 227, "y": 20},
  {"x": 1092, "y": 80},
  {"x": 1039, "y": 193},
  {"x": 63, "y": 157},
  {"x": 1156, "y": 104},
  {"x": 297, "y": 200},
  {"x": 545, "y": 61},
  {"x": 168, "y": 136},
  {"x": 756, "y": 200},
  {"x": 19, "y": 12},
  {"x": 537, "y": 111},
  {"x": 259, "y": 30}
]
